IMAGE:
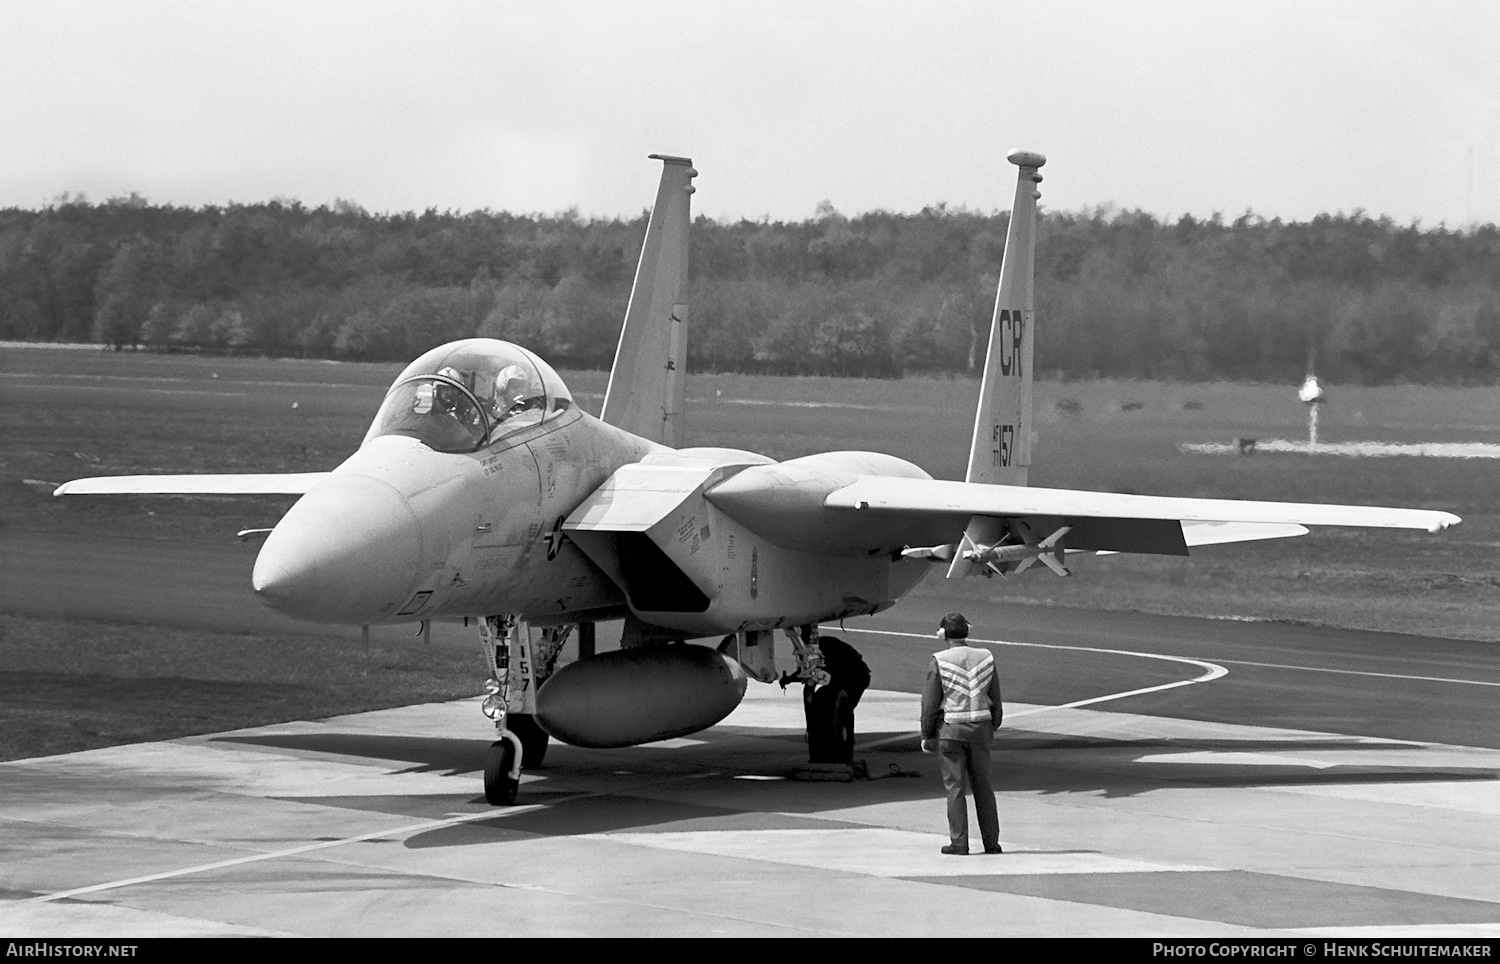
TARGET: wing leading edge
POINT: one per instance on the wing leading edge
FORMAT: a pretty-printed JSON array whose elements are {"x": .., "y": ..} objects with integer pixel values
[{"x": 285, "y": 483}]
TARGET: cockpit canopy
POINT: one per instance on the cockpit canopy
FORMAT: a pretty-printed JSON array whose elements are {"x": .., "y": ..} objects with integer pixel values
[{"x": 467, "y": 394}]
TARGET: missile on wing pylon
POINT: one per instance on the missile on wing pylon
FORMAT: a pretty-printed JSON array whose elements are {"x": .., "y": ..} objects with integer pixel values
[
  {"x": 931, "y": 553},
  {"x": 1049, "y": 554}
]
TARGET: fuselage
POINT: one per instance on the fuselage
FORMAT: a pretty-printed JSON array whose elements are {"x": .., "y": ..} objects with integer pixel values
[
  {"x": 456, "y": 505},
  {"x": 400, "y": 532}
]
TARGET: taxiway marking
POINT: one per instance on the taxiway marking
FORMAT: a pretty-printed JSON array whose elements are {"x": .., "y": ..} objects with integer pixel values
[
  {"x": 1221, "y": 670},
  {"x": 1211, "y": 671},
  {"x": 1362, "y": 672},
  {"x": 304, "y": 848}
]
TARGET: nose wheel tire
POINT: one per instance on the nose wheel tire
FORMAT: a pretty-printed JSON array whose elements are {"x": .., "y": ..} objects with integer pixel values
[{"x": 499, "y": 788}]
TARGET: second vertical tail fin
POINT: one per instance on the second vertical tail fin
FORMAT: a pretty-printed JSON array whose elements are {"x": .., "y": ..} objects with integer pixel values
[{"x": 1000, "y": 452}]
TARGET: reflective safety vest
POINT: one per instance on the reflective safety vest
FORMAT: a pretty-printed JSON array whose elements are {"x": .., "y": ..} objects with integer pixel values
[{"x": 966, "y": 674}]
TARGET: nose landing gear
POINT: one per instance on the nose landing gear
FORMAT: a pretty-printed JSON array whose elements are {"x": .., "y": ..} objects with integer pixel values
[{"x": 517, "y": 667}]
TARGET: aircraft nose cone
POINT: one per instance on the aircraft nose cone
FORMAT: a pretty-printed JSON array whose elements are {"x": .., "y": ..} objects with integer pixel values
[
  {"x": 271, "y": 581},
  {"x": 345, "y": 553}
]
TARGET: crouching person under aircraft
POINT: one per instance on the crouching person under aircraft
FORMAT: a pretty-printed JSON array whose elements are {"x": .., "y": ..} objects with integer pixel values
[{"x": 830, "y": 708}]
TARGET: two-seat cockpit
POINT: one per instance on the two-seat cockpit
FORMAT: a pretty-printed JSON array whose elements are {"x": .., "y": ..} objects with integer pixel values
[{"x": 466, "y": 395}]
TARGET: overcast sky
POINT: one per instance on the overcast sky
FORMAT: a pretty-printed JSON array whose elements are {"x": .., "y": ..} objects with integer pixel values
[{"x": 1287, "y": 109}]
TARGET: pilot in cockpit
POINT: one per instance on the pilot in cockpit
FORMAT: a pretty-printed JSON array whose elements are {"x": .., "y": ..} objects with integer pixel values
[
  {"x": 451, "y": 400},
  {"x": 460, "y": 398},
  {"x": 514, "y": 392},
  {"x": 447, "y": 397}
]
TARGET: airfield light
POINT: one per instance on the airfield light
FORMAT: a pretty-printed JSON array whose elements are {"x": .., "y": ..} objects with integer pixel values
[{"x": 1312, "y": 396}]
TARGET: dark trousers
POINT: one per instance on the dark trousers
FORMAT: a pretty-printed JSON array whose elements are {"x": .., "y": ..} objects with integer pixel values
[
  {"x": 830, "y": 722},
  {"x": 966, "y": 767}
]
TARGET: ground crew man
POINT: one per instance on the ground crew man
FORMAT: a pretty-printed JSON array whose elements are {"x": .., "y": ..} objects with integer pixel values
[
  {"x": 830, "y": 709},
  {"x": 960, "y": 714}
]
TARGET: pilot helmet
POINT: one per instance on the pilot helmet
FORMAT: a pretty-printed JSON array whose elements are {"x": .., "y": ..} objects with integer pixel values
[{"x": 510, "y": 386}]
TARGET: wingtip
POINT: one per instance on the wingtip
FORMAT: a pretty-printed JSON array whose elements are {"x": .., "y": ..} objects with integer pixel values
[{"x": 1444, "y": 521}]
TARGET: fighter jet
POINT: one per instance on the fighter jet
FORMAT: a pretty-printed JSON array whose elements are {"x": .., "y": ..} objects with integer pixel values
[{"x": 482, "y": 492}]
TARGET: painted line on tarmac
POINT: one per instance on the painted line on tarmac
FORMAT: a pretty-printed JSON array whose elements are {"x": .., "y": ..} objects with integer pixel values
[
  {"x": 407, "y": 830},
  {"x": 1211, "y": 671},
  {"x": 1362, "y": 672}
]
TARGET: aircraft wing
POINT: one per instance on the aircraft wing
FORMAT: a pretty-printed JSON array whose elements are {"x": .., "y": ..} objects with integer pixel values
[
  {"x": 1108, "y": 521},
  {"x": 935, "y": 496},
  {"x": 284, "y": 483},
  {"x": 954, "y": 498},
  {"x": 1219, "y": 533}
]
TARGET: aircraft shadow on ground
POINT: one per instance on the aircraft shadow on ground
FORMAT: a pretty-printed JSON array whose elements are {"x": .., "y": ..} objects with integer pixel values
[
  {"x": 736, "y": 784},
  {"x": 640, "y": 789},
  {"x": 767, "y": 808},
  {"x": 452, "y": 756},
  {"x": 449, "y": 756}
]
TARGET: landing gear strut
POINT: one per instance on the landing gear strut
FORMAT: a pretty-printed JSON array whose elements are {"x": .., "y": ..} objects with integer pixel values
[
  {"x": 533, "y": 739},
  {"x": 517, "y": 665}
]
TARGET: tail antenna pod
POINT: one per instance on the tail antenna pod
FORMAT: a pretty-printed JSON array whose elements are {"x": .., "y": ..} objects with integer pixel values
[
  {"x": 646, "y": 384},
  {"x": 1000, "y": 449}
]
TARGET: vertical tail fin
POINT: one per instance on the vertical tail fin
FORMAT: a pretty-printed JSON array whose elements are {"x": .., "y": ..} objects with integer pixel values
[
  {"x": 1000, "y": 452},
  {"x": 646, "y": 384}
]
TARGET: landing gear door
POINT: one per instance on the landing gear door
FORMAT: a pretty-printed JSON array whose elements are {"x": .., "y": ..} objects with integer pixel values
[
  {"x": 523, "y": 684},
  {"x": 511, "y": 683}
]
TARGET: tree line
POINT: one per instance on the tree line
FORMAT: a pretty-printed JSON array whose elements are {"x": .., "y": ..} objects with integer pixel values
[{"x": 1119, "y": 293}]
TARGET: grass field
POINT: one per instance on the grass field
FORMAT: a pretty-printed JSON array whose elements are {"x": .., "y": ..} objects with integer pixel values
[
  {"x": 75, "y": 684},
  {"x": 65, "y": 414}
]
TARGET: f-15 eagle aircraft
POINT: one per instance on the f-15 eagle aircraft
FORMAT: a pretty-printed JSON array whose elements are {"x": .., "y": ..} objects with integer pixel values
[{"x": 482, "y": 491}]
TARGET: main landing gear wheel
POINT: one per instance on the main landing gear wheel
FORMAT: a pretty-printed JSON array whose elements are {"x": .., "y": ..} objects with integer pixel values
[
  {"x": 499, "y": 788},
  {"x": 533, "y": 738}
]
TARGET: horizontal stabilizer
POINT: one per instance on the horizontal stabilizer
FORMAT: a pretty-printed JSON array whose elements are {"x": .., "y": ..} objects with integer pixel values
[{"x": 285, "y": 483}]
